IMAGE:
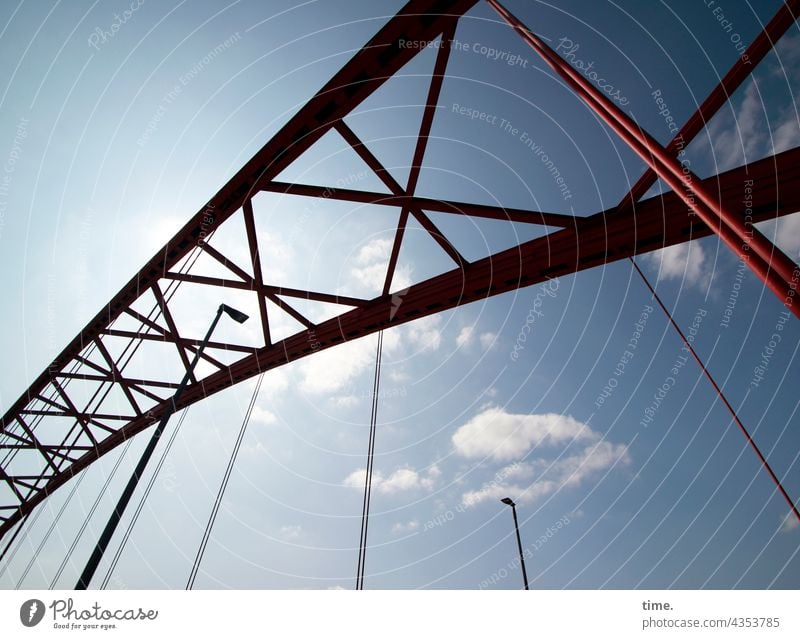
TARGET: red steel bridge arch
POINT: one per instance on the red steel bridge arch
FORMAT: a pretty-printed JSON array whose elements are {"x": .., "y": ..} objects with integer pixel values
[{"x": 693, "y": 209}]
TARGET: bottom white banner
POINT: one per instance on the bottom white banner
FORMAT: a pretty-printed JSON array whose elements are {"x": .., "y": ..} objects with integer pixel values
[{"x": 399, "y": 613}]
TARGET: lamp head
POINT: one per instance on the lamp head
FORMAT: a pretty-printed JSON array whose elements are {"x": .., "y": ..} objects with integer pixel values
[
  {"x": 508, "y": 501},
  {"x": 236, "y": 315}
]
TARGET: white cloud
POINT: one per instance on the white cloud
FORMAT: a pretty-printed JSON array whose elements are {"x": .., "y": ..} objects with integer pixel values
[
  {"x": 465, "y": 336},
  {"x": 357, "y": 478},
  {"x": 398, "y": 375},
  {"x": 425, "y": 334},
  {"x": 263, "y": 416},
  {"x": 400, "y": 480},
  {"x": 787, "y": 51},
  {"x": 378, "y": 249},
  {"x": 371, "y": 276},
  {"x": 785, "y": 232},
  {"x": 345, "y": 401},
  {"x": 488, "y": 340},
  {"x": 505, "y": 436},
  {"x": 743, "y": 133},
  {"x": 787, "y": 135},
  {"x": 275, "y": 254},
  {"x": 274, "y": 384},
  {"x": 734, "y": 137},
  {"x": 685, "y": 262},
  {"x": 404, "y": 528},
  {"x": 549, "y": 476},
  {"x": 291, "y": 532},
  {"x": 372, "y": 262},
  {"x": 158, "y": 230},
  {"x": 403, "y": 479},
  {"x": 790, "y": 523},
  {"x": 332, "y": 369},
  {"x": 335, "y": 368}
]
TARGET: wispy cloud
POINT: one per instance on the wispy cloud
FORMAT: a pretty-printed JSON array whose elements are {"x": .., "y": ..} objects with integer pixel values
[
  {"x": 684, "y": 262},
  {"x": 504, "y": 436},
  {"x": 488, "y": 340},
  {"x": 545, "y": 477},
  {"x": 468, "y": 336},
  {"x": 405, "y": 527},
  {"x": 336, "y": 368},
  {"x": 785, "y": 232},
  {"x": 371, "y": 264},
  {"x": 750, "y": 130},
  {"x": 789, "y": 523},
  {"x": 263, "y": 416},
  {"x": 290, "y": 533},
  {"x": 345, "y": 401},
  {"x": 425, "y": 334},
  {"x": 741, "y": 136},
  {"x": 464, "y": 337},
  {"x": 398, "y": 481},
  {"x": 501, "y": 436}
]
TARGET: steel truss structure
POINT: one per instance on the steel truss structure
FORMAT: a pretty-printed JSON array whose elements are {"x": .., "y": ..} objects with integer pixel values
[{"x": 695, "y": 208}]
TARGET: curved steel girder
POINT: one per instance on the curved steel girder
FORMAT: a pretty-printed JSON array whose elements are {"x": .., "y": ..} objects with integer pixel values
[
  {"x": 603, "y": 238},
  {"x": 584, "y": 242},
  {"x": 419, "y": 21},
  {"x": 379, "y": 59}
]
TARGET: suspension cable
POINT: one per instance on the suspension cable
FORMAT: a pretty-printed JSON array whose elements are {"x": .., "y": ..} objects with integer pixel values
[
  {"x": 10, "y": 543},
  {"x": 721, "y": 395},
  {"x": 362, "y": 543},
  {"x": 221, "y": 492},
  {"x": 49, "y": 532},
  {"x": 32, "y": 522},
  {"x": 142, "y": 500},
  {"x": 172, "y": 288},
  {"x": 88, "y": 517},
  {"x": 129, "y": 351}
]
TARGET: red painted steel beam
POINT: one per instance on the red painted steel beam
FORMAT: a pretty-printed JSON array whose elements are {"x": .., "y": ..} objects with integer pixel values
[
  {"x": 373, "y": 163},
  {"x": 745, "y": 64},
  {"x": 255, "y": 263},
  {"x": 432, "y": 100},
  {"x": 605, "y": 237},
  {"x": 558, "y": 220},
  {"x": 419, "y": 21},
  {"x": 775, "y": 269}
]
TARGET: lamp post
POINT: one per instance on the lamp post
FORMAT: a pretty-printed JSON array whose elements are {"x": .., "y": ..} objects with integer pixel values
[
  {"x": 116, "y": 515},
  {"x": 509, "y": 502}
]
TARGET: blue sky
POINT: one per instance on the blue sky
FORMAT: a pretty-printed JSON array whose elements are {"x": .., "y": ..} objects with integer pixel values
[{"x": 105, "y": 160}]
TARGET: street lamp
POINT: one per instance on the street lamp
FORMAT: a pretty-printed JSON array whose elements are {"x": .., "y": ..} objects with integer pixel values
[
  {"x": 509, "y": 502},
  {"x": 116, "y": 515}
]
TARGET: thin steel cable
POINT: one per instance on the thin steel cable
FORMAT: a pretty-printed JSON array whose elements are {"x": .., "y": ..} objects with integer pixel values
[
  {"x": 9, "y": 544},
  {"x": 142, "y": 501},
  {"x": 10, "y": 457},
  {"x": 721, "y": 395},
  {"x": 132, "y": 346},
  {"x": 362, "y": 544},
  {"x": 172, "y": 288},
  {"x": 97, "y": 500},
  {"x": 221, "y": 492},
  {"x": 23, "y": 522},
  {"x": 50, "y": 530}
]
